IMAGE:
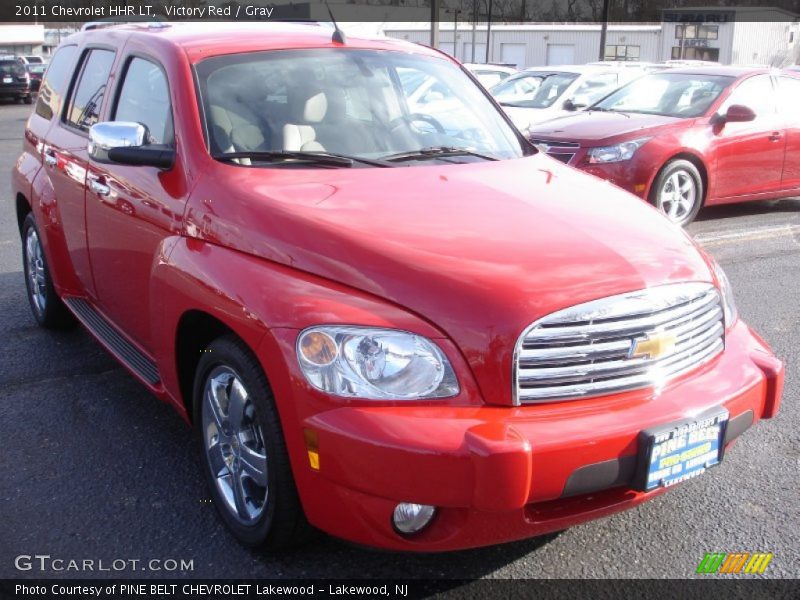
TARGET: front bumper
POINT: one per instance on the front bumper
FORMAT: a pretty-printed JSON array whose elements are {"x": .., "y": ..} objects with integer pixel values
[{"x": 498, "y": 474}]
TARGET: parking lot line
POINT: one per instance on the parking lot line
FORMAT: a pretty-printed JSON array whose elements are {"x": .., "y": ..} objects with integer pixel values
[{"x": 727, "y": 237}]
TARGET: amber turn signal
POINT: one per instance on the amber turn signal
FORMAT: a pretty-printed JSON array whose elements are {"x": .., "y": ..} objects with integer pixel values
[
  {"x": 318, "y": 348},
  {"x": 312, "y": 446}
]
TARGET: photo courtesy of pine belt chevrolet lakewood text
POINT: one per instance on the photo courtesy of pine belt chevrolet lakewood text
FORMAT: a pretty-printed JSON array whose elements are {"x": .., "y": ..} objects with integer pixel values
[{"x": 412, "y": 330}]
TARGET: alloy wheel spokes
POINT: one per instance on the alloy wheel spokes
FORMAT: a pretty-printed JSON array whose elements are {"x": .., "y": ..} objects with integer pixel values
[
  {"x": 34, "y": 267},
  {"x": 235, "y": 445},
  {"x": 678, "y": 196}
]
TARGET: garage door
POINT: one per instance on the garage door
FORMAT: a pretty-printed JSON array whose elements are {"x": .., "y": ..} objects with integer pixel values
[
  {"x": 560, "y": 54},
  {"x": 480, "y": 52},
  {"x": 513, "y": 54}
]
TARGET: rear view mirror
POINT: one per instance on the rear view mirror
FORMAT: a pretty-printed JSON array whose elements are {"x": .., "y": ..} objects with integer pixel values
[{"x": 126, "y": 143}]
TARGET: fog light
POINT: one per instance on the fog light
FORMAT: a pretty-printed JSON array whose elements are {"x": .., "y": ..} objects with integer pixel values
[{"x": 412, "y": 518}]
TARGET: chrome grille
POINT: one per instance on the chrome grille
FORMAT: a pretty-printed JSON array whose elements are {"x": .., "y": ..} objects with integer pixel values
[
  {"x": 563, "y": 151},
  {"x": 590, "y": 349}
]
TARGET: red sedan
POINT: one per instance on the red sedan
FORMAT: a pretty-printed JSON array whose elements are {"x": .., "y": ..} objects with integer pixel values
[
  {"x": 688, "y": 138},
  {"x": 406, "y": 329}
]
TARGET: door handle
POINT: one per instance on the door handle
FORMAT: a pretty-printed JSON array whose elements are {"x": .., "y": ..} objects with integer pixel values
[
  {"x": 98, "y": 187},
  {"x": 775, "y": 136},
  {"x": 50, "y": 158}
]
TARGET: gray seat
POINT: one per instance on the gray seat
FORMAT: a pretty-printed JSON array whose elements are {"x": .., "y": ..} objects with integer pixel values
[
  {"x": 235, "y": 126},
  {"x": 308, "y": 106}
]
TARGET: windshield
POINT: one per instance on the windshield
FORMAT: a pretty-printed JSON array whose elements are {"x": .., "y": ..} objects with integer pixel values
[
  {"x": 490, "y": 78},
  {"x": 667, "y": 94},
  {"x": 359, "y": 103},
  {"x": 533, "y": 89}
]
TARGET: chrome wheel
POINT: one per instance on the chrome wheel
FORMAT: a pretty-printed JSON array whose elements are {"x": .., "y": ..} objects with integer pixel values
[
  {"x": 678, "y": 196},
  {"x": 234, "y": 445},
  {"x": 34, "y": 271}
]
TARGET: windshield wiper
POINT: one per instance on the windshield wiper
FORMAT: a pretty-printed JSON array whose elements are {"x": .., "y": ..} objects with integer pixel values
[
  {"x": 610, "y": 110},
  {"x": 516, "y": 105},
  {"x": 436, "y": 152},
  {"x": 320, "y": 158}
]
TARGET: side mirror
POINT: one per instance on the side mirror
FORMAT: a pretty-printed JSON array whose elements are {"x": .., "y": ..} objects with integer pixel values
[
  {"x": 571, "y": 105},
  {"x": 737, "y": 113},
  {"x": 127, "y": 143}
]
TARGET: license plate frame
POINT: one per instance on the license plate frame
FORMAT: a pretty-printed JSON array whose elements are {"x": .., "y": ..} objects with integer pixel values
[{"x": 669, "y": 443}]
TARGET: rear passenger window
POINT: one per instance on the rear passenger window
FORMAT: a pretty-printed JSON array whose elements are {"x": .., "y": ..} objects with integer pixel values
[
  {"x": 54, "y": 84},
  {"x": 144, "y": 98},
  {"x": 84, "y": 109}
]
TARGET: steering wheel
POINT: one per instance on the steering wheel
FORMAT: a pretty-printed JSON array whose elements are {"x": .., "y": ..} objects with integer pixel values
[{"x": 410, "y": 118}]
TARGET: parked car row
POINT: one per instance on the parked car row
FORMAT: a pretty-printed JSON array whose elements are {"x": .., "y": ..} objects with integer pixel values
[
  {"x": 680, "y": 134},
  {"x": 20, "y": 77},
  {"x": 385, "y": 313},
  {"x": 688, "y": 137}
]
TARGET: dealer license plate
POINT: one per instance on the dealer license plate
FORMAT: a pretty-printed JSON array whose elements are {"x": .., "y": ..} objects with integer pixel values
[{"x": 680, "y": 451}]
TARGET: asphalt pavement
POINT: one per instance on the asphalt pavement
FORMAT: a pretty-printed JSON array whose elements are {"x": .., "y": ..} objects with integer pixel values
[{"x": 93, "y": 467}]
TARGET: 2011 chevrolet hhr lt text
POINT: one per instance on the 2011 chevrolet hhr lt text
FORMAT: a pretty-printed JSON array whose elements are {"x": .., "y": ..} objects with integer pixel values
[{"x": 385, "y": 314}]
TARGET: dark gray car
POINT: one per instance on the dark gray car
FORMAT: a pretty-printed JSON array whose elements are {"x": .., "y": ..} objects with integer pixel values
[{"x": 14, "y": 80}]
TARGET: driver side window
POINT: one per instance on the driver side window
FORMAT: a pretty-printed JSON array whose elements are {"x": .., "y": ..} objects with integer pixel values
[
  {"x": 755, "y": 93},
  {"x": 144, "y": 98}
]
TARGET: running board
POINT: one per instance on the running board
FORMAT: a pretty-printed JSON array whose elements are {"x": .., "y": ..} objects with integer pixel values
[{"x": 129, "y": 354}]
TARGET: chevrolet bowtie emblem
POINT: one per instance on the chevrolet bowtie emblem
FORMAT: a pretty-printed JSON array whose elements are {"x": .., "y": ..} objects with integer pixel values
[{"x": 655, "y": 345}]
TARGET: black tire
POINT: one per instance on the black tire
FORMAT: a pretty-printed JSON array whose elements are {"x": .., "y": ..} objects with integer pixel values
[
  {"x": 28, "y": 99},
  {"x": 281, "y": 523},
  {"x": 682, "y": 169},
  {"x": 48, "y": 310}
]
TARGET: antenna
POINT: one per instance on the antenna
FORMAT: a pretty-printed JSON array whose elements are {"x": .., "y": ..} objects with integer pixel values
[{"x": 338, "y": 34}]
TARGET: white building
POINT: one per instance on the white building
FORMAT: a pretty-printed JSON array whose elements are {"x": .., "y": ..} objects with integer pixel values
[
  {"x": 537, "y": 44},
  {"x": 741, "y": 36},
  {"x": 738, "y": 36},
  {"x": 23, "y": 39}
]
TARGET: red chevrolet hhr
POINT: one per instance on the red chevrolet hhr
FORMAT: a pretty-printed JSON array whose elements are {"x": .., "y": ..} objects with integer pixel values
[
  {"x": 385, "y": 314},
  {"x": 687, "y": 138}
]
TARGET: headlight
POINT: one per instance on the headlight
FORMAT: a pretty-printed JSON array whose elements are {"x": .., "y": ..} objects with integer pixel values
[
  {"x": 369, "y": 362},
  {"x": 616, "y": 153},
  {"x": 728, "y": 304}
]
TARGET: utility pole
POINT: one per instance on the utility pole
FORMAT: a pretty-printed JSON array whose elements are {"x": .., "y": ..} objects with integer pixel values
[
  {"x": 455, "y": 33},
  {"x": 603, "y": 28},
  {"x": 474, "y": 27},
  {"x": 435, "y": 23},
  {"x": 489, "y": 32}
]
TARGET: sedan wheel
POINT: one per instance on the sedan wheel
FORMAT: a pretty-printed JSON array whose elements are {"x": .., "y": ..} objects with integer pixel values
[
  {"x": 234, "y": 445},
  {"x": 678, "y": 196},
  {"x": 678, "y": 191}
]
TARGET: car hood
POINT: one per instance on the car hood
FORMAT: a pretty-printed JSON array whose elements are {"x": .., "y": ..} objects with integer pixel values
[
  {"x": 480, "y": 250},
  {"x": 595, "y": 127}
]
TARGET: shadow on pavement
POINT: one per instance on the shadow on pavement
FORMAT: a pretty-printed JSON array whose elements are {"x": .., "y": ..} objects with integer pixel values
[{"x": 731, "y": 211}]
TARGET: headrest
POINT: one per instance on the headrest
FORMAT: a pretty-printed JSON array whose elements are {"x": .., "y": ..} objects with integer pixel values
[
  {"x": 307, "y": 101},
  {"x": 315, "y": 108},
  {"x": 337, "y": 105}
]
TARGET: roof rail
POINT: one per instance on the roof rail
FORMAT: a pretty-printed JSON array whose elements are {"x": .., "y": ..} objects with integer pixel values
[{"x": 152, "y": 21}]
